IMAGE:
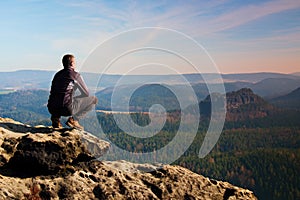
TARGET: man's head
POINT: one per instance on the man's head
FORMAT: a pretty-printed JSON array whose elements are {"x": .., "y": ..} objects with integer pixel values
[{"x": 68, "y": 61}]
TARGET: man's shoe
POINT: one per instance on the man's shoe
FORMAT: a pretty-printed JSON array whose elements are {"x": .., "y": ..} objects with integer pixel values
[
  {"x": 56, "y": 123},
  {"x": 74, "y": 123}
]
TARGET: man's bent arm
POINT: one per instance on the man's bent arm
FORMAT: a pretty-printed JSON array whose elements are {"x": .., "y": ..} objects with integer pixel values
[{"x": 80, "y": 84}]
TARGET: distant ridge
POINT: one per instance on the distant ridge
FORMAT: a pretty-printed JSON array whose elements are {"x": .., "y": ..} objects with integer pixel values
[
  {"x": 291, "y": 100},
  {"x": 274, "y": 87},
  {"x": 256, "y": 77},
  {"x": 41, "y": 79},
  {"x": 296, "y": 74}
]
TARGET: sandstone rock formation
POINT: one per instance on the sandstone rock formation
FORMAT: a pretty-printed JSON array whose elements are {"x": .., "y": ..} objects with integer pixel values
[
  {"x": 240, "y": 105},
  {"x": 41, "y": 163}
]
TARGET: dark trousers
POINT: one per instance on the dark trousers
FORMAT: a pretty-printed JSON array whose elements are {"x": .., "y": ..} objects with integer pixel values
[{"x": 78, "y": 109}]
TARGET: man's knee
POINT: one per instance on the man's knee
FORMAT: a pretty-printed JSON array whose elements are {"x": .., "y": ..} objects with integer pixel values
[{"x": 95, "y": 100}]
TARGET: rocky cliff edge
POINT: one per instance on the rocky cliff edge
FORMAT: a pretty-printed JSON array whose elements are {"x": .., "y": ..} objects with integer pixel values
[{"x": 41, "y": 163}]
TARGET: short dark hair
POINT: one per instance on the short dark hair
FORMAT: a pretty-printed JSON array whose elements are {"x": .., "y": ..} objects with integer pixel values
[{"x": 67, "y": 60}]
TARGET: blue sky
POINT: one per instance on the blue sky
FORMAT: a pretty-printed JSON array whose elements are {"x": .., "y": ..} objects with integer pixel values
[{"x": 240, "y": 36}]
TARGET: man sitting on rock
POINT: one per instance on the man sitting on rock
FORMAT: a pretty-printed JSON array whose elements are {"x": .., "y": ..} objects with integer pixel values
[{"x": 62, "y": 101}]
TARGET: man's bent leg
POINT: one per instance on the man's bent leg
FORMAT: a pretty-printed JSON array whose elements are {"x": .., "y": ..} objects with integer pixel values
[{"x": 81, "y": 106}]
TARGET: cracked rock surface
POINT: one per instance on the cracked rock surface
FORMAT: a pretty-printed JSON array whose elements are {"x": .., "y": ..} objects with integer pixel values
[{"x": 41, "y": 163}]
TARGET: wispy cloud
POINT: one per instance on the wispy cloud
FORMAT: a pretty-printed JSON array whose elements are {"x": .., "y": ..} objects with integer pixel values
[
  {"x": 196, "y": 18},
  {"x": 250, "y": 13}
]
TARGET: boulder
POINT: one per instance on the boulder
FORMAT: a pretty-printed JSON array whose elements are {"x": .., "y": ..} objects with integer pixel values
[{"x": 29, "y": 151}]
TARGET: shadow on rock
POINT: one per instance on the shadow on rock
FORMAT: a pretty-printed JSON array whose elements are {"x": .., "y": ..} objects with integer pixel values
[{"x": 42, "y": 154}]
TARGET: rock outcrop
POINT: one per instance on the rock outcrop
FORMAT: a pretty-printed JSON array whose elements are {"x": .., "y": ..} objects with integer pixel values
[
  {"x": 41, "y": 163},
  {"x": 31, "y": 151},
  {"x": 240, "y": 105},
  {"x": 242, "y": 97},
  {"x": 244, "y": 104}
]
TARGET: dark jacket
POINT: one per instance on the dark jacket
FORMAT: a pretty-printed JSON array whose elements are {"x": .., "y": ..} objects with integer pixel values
[{"x": 64, "y": 84}]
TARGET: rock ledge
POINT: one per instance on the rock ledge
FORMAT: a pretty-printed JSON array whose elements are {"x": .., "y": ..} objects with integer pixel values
[{"x": 41, "y": 163}]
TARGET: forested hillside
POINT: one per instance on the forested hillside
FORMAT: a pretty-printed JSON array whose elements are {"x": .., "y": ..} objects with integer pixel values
[{"x": 28, "y": 106}]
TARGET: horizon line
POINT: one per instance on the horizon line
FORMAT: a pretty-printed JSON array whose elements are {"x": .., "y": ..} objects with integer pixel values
[{"x": 115, "y": 74}]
